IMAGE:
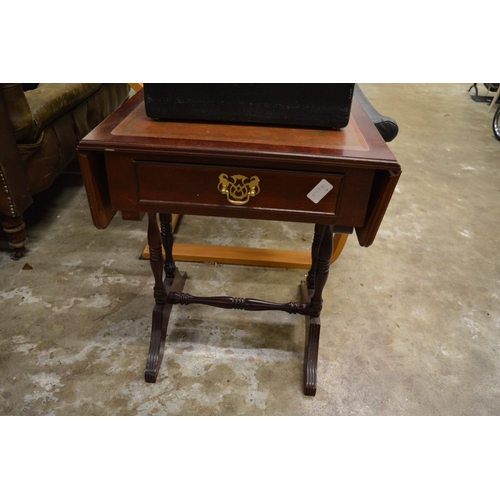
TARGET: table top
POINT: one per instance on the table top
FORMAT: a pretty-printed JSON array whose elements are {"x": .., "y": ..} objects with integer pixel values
[
  {"x": 136, "y": 164},
  {"x": 129, "y": 129}
]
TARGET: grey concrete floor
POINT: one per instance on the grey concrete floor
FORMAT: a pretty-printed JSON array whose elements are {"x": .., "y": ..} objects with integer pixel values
[{"x": 410, "y": 325}]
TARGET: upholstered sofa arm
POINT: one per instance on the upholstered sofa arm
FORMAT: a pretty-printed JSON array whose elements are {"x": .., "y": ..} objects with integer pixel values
[
  {"x": 50, "y": 101},
  {"x": 39, "y": 131},
  {"x": 14, "y": 192},
  {"x": 18, "y": 109}
]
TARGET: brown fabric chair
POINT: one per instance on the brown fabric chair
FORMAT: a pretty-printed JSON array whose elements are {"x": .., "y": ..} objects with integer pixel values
[{"x": 39, "y": 132}]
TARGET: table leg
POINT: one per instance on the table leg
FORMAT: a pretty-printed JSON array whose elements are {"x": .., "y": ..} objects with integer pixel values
[
  {"x": 312, "y": 290},
  {"x": 174, "y": 281},
  {"x": 167, "y": 238}
]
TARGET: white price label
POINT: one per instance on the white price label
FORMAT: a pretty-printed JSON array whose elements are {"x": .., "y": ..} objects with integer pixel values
[{"x": 320, "y": 191}]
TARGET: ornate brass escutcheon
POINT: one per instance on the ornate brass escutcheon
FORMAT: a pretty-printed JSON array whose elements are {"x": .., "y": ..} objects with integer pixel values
[{"x": 240, "y": 189}]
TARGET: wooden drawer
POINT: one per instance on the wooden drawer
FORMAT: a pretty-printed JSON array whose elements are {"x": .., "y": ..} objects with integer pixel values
[
  {"x": 199, "y": 189},
  {"x": 236, "y": 189}
]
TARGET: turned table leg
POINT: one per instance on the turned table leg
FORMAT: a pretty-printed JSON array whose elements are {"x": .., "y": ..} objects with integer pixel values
[
  {"x": 167, "y": 238},
  {"x": 174, "y": 281},
  {"x": 312, "y": 290}
]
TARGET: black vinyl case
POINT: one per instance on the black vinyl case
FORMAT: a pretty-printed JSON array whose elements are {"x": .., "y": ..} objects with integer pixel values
[{"x": 322, "y": 105}]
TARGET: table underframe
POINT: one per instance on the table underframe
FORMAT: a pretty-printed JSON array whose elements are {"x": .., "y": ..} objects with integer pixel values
[
  {"x": 246, "y": 256},
  {"x": 169, "y": 285}
]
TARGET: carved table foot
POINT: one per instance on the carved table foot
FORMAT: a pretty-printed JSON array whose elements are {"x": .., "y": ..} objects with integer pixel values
[
  {"x": 173, "y": 282},
  {"x": 311, "y": 291},
  {"x": 313, "y": 327},
  {"x": 161, "y": 316}
]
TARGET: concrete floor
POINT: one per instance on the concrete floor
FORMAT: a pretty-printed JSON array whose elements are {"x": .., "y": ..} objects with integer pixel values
[{"x": 410, "y": 325}]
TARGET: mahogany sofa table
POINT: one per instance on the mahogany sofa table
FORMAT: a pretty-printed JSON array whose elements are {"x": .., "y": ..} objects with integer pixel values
[{"x": 338, "y": 180}]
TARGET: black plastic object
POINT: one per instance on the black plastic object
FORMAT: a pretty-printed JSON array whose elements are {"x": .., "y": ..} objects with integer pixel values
[
  {"x": 324, "y": 105},
  {"x": 387, "y": 126}
]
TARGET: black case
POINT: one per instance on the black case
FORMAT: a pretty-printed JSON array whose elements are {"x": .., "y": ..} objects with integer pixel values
[{"x": 324, "y": 105}]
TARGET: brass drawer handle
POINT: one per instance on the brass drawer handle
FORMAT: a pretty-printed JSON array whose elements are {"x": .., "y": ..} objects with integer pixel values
[{"x": 240, "y": 189}]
